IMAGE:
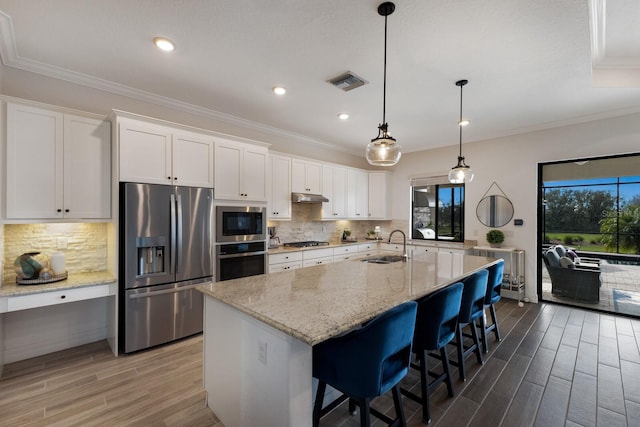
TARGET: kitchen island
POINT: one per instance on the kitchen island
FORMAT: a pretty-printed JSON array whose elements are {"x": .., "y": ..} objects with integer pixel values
[{"x": 259, "y": 331}]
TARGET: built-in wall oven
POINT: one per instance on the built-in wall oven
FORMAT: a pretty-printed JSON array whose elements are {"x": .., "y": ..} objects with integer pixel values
[
  {"x": 236, "y": 260},
  {"x": 241, "y": 241}
]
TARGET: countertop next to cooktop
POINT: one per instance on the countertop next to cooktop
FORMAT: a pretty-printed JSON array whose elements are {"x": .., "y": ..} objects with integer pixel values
[{"x": 75, "y": 280}]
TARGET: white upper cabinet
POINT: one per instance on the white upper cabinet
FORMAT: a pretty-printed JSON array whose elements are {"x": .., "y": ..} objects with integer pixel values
[
  {"x": 58, "y": 165},
  {"x": 379, "y": 195},
  {"x": 306, "y": 177},
  {"x": 280, "y": 192},
  {"x": 87, "y": 167},
  {"x": 155, "y": 154},
  {"x": 240, "y": 171},
  {"x": 192, "y": 159},
  {"x": 357, "y": 194},
  {"x": 334, "y": 188}
]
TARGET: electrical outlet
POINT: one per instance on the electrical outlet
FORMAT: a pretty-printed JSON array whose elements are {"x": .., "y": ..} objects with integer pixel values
[
  {"x": 262, "y": 351},
  {"x": 62, "y": 242}
]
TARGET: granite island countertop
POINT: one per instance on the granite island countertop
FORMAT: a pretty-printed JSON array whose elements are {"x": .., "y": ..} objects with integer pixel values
[
  {"x": 74, "y": 280},
  {"x": 316, "y": 303}
]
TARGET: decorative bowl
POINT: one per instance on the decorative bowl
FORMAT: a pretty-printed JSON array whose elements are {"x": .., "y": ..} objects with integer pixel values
[{"x": 30, "y": 264}]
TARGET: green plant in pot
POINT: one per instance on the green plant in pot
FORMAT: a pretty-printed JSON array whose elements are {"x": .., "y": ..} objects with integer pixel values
[{"x": 495, "y": 238}]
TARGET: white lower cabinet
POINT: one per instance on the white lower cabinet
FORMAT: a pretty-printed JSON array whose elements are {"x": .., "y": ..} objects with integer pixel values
[
  {"x": 367, "y": 249},
  {"x": 285, "y": 261},
  {"x": 317, "y": 257},
  {"x": 345, "y": 253}
]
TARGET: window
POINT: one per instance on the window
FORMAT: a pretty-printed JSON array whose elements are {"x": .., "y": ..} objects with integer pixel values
[
  {"x": 592, "y": 205},
  {"x": 437, "y": 209}
]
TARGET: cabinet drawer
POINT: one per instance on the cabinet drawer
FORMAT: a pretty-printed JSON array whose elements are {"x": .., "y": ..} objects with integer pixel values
[
  {"x": 346, "y": 257},
  {"x": 24, "y": 302},
  {"x": 391, "y": 247},
  {"x": 284, "y": 266},
  {"x": 367, "y": 247},
  {"x": 317, "y": 261},
  {"x": 345, "y": 250},
  {"x": 452, "y": 251},
  {"x": 317, "y": 253},
  {"x": 285, "y": 257}
]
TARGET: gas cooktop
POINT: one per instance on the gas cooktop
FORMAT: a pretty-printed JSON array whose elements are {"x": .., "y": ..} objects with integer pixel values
[{"x": 305, "y": 244}]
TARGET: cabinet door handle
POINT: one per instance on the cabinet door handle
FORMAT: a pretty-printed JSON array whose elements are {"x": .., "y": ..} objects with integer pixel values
[
  {"x": 66, "y": 210},
  {"x": 175, "y": 178},
  {"x": 59, "y": 210},
  {"x": 168, "y": 177},
  {"x": 63, "y": 296}
]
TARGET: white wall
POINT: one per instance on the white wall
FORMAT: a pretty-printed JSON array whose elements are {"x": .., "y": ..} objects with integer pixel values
[{"x": 512, "y": 162}]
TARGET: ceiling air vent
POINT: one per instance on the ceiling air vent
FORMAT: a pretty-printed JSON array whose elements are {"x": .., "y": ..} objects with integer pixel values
[{"x": 348, "y": 81}]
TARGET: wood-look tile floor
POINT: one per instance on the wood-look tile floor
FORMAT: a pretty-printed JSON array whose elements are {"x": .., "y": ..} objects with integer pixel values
[{"x": 555, "y": 366}]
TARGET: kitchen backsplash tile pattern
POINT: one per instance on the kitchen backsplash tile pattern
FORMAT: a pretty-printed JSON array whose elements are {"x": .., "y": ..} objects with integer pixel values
[
  {"x": 303, "y": 227},
  {"x": 86, "y": 245}
]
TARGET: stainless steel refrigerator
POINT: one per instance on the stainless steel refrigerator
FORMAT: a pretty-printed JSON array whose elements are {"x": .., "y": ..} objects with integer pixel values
[{"x": 166, "y": 250}]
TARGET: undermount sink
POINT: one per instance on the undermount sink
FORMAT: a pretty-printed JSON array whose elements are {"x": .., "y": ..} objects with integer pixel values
[{"x": 384, "y": 259}]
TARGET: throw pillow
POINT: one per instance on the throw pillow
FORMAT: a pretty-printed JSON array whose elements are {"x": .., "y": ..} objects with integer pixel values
[{"x": 565, "y": 262}]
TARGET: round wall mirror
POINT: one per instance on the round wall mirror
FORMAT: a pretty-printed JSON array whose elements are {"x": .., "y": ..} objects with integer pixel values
[{"x": 494, "y": 211}]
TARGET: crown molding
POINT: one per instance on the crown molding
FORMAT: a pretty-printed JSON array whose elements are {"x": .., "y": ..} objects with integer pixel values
[
  {"x": 607, "y": 70},
  {"x": 11, "y": 58}
]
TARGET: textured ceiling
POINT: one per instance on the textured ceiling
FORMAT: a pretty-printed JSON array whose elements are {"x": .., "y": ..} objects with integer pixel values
[{"x": 530, "y": 64}]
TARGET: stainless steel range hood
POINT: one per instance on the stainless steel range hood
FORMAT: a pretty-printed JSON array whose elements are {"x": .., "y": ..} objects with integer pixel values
[{"x": 308, "y": 198}]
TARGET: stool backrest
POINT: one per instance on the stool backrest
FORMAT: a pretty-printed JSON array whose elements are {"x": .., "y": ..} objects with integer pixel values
[
  {"x": 475, "y": 289},
  {"x": 437, "y": 318},
  {"x": 496, "y": 272},
  {"x": 372, "y": 359}
]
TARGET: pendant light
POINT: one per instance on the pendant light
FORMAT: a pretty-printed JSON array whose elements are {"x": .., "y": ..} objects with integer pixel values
[
  {"x": 383, "y": 150},
  {"x": 461, "y": 173}
]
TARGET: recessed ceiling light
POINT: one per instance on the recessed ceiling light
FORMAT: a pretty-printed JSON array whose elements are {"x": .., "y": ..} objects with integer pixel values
[
  {"x": 163, "y": 44},
  {"x": 343, "y": 116},
  {"x": 279, "y": 90}
]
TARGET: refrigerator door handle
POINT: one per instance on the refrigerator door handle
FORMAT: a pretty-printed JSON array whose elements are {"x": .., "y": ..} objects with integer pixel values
[
  {"x": 173, "y": 233},
  {"x": 178, "y": 246},
  {"x": 165, "y": 291}
]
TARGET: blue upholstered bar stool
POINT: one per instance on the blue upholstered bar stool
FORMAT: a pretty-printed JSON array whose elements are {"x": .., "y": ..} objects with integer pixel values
[
  {"x": 491, "y": 297},
  {"x": 366, "y": 363},
  {"x": 471, "y": 310},
  {"x": 435, "y": 327}
]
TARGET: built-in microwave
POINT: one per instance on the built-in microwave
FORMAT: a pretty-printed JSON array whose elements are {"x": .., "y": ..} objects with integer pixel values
[{"x": 240, "y": 223}]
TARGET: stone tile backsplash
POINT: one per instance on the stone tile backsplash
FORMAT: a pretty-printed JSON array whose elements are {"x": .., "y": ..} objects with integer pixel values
[
  {"x": 303, "y": 227},
  {"x": 86, "y": 243}
]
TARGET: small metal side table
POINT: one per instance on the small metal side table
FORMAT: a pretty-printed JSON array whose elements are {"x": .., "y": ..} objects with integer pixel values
[{"x": 513, "y": 280}]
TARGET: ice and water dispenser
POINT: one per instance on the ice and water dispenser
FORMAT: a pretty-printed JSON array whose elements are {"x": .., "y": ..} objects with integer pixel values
[{"x": 151, "y": 252}]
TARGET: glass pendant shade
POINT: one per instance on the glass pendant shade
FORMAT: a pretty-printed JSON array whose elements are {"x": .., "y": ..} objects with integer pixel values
[
  {"x": 461, "y": 173},
  {"x": 383, "y": 150}
]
